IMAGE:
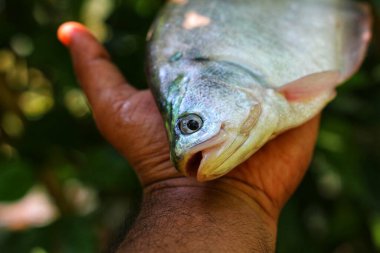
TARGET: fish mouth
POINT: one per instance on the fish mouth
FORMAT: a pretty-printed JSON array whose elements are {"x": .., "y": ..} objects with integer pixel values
[
  {"x": 210, "y": 160},
  {"x": 191, "y": 163}
]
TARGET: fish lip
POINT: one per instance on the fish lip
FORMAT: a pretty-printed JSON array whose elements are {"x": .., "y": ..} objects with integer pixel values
[
  {"x": 197, "y": 150},
  {"x": 193, "y": 164},
  {"x": 205, "y": 175}
]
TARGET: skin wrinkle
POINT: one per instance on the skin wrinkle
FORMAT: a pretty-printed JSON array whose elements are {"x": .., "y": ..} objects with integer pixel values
[
  {"x": 256, "y": 188},
  {"x": 149, "y": 189},
  {"x": 286, "y": 191},
  {"x": 262, "y": 242},
  {"x": 118, "y": 93},
  {"x": 160, "y": 160},
  {"x": 147, "y": 223},
  {"x": 97, "y": 65},
  {"x": 98, "y": 58},
  {"x": 128, "y": 112},
  {"x": 270, "y": 189},
  {"x": 180, "y": 206},
  {"x": 127, "y": 123},
  {"x": 261, "y": 185},
  {"x": 155, "y": 146},
  {"x": 110, "y": 112},
  {"x": 148, "y": 177}
]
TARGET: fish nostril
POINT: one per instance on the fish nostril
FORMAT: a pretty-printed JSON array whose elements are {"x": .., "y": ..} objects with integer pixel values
[{"x": 193, "y": 164}]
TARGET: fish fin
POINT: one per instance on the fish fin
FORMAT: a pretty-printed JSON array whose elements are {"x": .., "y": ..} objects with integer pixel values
[
  {"x": 311, "y": 86},
  {"x": 357, "y": 37}
]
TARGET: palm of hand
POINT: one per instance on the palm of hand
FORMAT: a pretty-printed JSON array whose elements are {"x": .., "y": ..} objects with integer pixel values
[{"x": 130, "y": 120}]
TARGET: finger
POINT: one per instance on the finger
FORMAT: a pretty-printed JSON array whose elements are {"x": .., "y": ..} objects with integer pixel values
[
  {"x": 291, "y": 155},
  {"x": 100, "y": 79},
  {"x": 128, "y": 119},
  {"x": 300, "y": 142},
  {"x": 276, "y": 170},
  {"x": 105, "y": 87}
]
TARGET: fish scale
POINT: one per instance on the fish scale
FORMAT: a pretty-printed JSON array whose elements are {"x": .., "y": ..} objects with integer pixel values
[
  {"x": 252, "y": 67},
  {"x": 309, "y": 53}
]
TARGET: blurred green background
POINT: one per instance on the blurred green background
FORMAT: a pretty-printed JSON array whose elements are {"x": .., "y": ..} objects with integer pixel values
[{"x": 64, "y": 189}]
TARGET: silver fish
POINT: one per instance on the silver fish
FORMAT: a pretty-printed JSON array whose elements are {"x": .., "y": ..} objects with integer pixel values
[{"x": 229, "y": 75}]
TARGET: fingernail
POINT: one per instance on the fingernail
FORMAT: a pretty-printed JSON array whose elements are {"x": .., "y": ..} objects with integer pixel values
[{"x": 67, "y": 30}]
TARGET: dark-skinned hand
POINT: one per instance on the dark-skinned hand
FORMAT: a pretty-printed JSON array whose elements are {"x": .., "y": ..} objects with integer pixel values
[{"x": 129, "y": 119}]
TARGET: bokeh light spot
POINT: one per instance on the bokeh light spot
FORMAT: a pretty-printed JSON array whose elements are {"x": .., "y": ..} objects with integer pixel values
[
  {"x": 35, "y": 209},
  {"x": 330, "y": 184},
  {"x": 316, "y": 221},
  {"x": 375, "y": 229},
  {"x": 146, "y": 7},
  {"x": 76, "y": 103},
  {"x": 12, "y": 124},
  {"x": 40, "y": 15},
  {"x": 35, "y": 104},
  {"x": 38, "y": 250},
  {"x": 17, "y": 77},
  {"x": 22, "y": 45},
  {"x": 94, "y": 14},
  {"x": 7, "y": 60},
  {"x": 83, "y": 198},
  {"x": 38, "y": 81},
  {"x": 331, "y": 141},
  {"x": 8, "y": 151}
]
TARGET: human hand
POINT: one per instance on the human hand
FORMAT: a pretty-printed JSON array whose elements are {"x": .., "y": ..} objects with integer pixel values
[{"x": 130, "y": 121}]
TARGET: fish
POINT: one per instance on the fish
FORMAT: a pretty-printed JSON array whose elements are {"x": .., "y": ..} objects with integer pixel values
[{"x": 230, "y": 75}]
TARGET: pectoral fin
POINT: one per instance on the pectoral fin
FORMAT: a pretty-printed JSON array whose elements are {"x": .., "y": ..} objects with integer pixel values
[{"x": 311, "y": 86}]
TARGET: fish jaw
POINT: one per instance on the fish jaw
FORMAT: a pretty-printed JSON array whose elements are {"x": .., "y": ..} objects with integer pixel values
[
  {"x": 207, "y": 161},
  {"x": 217, "y": 160},
  {"x": 190, "y": 162}
]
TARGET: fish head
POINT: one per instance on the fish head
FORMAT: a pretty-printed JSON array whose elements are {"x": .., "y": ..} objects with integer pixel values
[{"x": 210, "y": 125}]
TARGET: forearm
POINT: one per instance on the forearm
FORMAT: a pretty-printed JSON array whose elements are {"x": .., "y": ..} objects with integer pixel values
[{"x": 199, "y": 218}]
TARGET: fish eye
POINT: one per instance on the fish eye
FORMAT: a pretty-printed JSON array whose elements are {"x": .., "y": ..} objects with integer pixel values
[{"x": 190, "y": 124}]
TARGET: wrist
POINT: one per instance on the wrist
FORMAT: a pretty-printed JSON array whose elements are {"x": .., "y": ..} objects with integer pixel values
[
  {"x": 211, "y": 217},
  {"x": 253, "y": 197}
]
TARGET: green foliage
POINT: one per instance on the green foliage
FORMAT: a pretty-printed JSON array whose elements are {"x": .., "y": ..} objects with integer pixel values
[
  {"x": 16, "y": 179},
  {"x": 48, "y": 138}
]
